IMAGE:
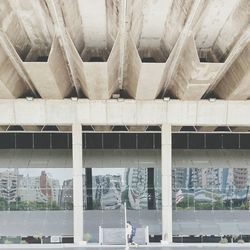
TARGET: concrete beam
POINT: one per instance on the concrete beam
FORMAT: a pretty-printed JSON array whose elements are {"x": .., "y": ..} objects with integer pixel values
[
  {"x": 64, "y": 128},
  {"x": 142, "y": 79},
  {"x": 235, "y": 83},
  {"x": 3, "y": 128},
  {"x": 240, "y": 129},
  {"x": 61, "y": 33},
  {"x": 20, "y": 82},
  {"x": 137, "y": 128},
  {"x": 192, "y": 77},
  {"x": 233, "y": 28},
  {"x": 99, "y": 85},
  {"x": 176, "y": 53},
  {"x": 11, "y": 84},
  {"x": 57, "y": 84},
  {"x": 36, "y": 24},
  {"x": 177, "y": 14},
  {"x": 103, "y": 128},
  {"x": 212, "y": 21},
  {"x": 236, "y": 51},
  {"x": 206, "y": 128},
  {"x": 176, "y": 128},
  {"x": 73, "y": 23},
  {"x": 128, "y": 112},
  {"x": 31, "y": 128}
]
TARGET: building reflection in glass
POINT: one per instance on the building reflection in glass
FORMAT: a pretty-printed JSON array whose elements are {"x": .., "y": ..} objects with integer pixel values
[
  {"x": 140, "y": 188},
  {"x": 211, "y": 188},
  {"x": 35, "y": 189}
]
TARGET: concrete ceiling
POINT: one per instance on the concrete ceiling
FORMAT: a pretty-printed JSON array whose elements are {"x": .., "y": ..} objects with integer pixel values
[{"x": 143, "y": 49}]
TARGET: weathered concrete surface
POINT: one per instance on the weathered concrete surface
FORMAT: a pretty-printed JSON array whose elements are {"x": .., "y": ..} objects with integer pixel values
[
  {"x": 235, "y": 83},
  {"x": 127, "y": 112},
  {"x": 99, "y": 80},
  {"x": 192, "y": 79},
  {"x": 143, "y": 79},
  {"x": 57, "y": 84},
  {"x": 11, "y": 84},
  {"x": 157, "y": 30}
]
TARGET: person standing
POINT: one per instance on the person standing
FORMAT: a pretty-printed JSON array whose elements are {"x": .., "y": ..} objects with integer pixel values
[{"x": 130, "y": 229}]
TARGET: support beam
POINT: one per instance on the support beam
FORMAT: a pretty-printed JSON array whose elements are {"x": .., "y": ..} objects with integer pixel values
[
  {"x": 239, "y": 46},
  {"x": 166, "y": 173},
  {"x": 57, "y": 17},
  {"x": 57, "y": 84},
  {"x": 3, "y": 128},
  {"x": 32, "y": 128},
  {"x": 123, "y": 40},
  {"x": 176, "y": 54},
  {"x": 176, "y": 128},
  {"x": 240, "y": 129},
  {"x": 127, "y": 112},
  {"x": 206, "y": 128},
  {"x": 137, "y": 128},
  {"x": 192, "y": 79},
  {"x": 102, "y": 85},
  {"x": 16, "y": 62},
  {"x": 77, "y": 182},
  {"x": 103, "y": 128},
  {"x": 235, "y": 83},
  {"x": 64, "y": 128}
]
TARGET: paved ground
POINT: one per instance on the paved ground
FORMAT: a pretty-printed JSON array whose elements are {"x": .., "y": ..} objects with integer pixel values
[{"x": 192, "y": 247}]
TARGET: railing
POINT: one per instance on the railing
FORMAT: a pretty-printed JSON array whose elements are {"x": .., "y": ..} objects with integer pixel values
[{"x": 116, "y": 236}]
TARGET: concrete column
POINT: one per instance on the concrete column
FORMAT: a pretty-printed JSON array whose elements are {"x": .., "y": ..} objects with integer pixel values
[
  {"x": 166, "y": 171},
  {"x": 77, "y": 182}
]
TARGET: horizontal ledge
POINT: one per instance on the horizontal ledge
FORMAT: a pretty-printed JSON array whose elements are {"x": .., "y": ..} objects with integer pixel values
[{"x": 124, "y": 112}]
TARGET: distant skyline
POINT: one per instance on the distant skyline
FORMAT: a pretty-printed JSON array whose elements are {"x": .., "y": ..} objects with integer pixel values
[{"x": 60, "y": 174}]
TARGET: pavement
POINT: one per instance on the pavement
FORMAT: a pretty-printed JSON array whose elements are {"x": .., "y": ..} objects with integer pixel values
[{"x": 210, "y": 246}]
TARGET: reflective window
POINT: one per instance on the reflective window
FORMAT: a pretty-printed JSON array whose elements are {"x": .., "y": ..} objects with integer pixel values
[
  {"x": 211, "y": 188},
  {"x": 36, "y": 189},
  {"x": 112, "y": 187}
]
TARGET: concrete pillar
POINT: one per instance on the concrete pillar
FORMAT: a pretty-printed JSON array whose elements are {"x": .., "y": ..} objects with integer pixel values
[
  {"x": 166, "y": 171},
  {"x": 77, "y": 182}
]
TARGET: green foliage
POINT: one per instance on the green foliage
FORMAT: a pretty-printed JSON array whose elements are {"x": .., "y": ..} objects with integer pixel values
[
  {"x": 224, "y": 240},
  {"x": 27, "y": 205},
  {"x": 3, "y": 204},
  {"x": 240, "y": 241},
  {"x": 10, "y": 240},
  {"x": 96, "y": 205},
  {"x": 87, "y": 237}
]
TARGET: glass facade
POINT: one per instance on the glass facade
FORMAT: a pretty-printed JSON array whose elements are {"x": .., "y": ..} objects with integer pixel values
[
  {"x": 115, "y": 186},
  {"x": 24, "y": 189},
  {"x": 193, "y": 188},
  {"x": 36, "y": 180},
  {"x": 211, "y": 188}
]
